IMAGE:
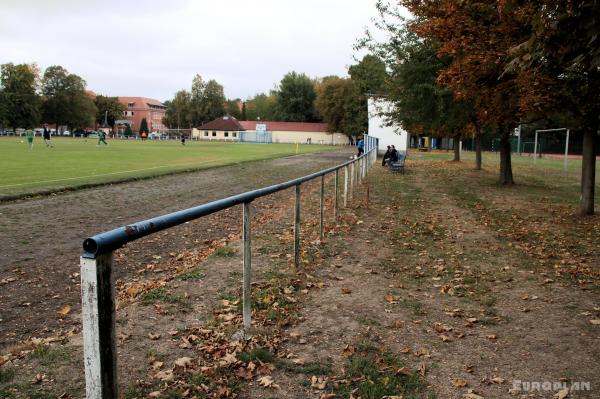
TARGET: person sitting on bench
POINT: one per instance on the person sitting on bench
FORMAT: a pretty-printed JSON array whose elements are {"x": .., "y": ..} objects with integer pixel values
[
  {"x": 386, "y": 156},
  {"x": 393, "y": 155}
]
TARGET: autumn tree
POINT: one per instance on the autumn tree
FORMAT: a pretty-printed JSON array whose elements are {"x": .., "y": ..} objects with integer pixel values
[
  {"x": 422, "y": 105},
  {"x": 19, "y": 101},
  {"x": 479, "y": 37}
]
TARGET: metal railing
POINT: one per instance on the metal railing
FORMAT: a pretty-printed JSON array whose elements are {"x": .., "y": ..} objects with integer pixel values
[{"x": 97, "y": 278}]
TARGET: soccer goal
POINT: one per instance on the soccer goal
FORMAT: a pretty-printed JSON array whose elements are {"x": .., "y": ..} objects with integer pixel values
[{"x": 535, "y": 146}]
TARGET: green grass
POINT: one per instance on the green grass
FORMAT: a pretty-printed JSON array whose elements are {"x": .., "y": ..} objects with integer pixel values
[
  {"x": 255, "y": 354},
  {"x": 191, "y": 275},
  {"x": 50, "y": 355},
  {"x": 224, "y": 252},
  {"x": 7, "y": 374},
  {"x": 162, "y": 295},
  {"x": 372, "y": 374},
  {"x": 73, "y": 162}
]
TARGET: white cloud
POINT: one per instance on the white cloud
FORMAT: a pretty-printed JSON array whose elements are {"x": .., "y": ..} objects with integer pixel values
[{"x": 153, "y": 48}]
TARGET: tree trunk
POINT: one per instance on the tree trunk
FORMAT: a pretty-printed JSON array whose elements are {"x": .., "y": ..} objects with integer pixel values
[
  {"x": 478, "y": 152},
  {"x": 506, "y": 176},
  {"x": 456, "y": 149},
  {"x": 588, "y": 170}
]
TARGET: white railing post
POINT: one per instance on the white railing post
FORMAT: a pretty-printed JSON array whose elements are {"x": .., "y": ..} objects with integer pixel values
[
  {"x": 98, "y": 314},
  {"x": 247, "y": 289}
]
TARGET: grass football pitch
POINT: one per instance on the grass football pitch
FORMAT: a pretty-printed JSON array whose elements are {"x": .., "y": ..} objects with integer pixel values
[{"x": 73, "y": 162}]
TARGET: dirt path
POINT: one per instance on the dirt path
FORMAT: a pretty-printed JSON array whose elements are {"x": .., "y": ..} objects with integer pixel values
[{"x": 41, "y": 237}]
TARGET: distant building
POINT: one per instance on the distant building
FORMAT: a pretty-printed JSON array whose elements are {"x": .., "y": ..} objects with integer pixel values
[
  {"x": 139, "y": 108},
  {"x": 229, "y": 128}
]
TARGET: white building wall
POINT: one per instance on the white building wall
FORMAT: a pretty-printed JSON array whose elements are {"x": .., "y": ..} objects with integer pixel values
[{"x": 387, "y": 135}]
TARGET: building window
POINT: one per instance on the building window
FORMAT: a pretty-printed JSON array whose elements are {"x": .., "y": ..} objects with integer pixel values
[
  {"x": 205, "y": 134},
  {"x": 214, "y": 134},
  {"x": 226, "y": 134},
  {"x": 234, "y": 134}
]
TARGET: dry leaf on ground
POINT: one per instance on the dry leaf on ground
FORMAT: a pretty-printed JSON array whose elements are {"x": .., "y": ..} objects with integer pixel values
[
  {"x": 62, "y": 312},
  {"x": 458, "y": 382}
]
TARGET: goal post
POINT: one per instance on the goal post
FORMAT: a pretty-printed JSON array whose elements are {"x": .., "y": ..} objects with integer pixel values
[{"x": 566, "y": 157}]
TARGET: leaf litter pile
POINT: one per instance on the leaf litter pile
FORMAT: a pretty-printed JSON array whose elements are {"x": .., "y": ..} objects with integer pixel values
[{"x": 444, "y": 285}]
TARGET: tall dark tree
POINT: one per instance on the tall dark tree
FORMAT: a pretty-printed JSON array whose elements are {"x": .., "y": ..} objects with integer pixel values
[
  {"x": 19, "y": 101},
  {"x": 144, "y": 126},
  {"x": 65, "y": 99},
  {"x": 295, "y": 98}
]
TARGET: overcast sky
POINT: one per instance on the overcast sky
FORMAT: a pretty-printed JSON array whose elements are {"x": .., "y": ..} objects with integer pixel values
[{"x": 153, "y": 48}]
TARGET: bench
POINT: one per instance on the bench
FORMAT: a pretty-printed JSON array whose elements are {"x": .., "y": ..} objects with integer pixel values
[{"x": 397, "y": 166}]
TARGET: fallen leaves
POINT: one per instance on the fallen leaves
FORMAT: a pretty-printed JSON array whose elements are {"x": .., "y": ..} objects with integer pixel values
[
  {"x": 562, "y": 394},
  {"x": 267, "y": 382},
  {"x": 318, "y": 382},
  {"x": 153, "y": 336},
  {"x": 458, "y": 382},
  {"x": 472, "y": 395},
  {"x": 65, "y": 310}
]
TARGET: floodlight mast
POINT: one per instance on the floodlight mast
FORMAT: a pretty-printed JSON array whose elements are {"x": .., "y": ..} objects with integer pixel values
[{"x": 552, "y": 130}]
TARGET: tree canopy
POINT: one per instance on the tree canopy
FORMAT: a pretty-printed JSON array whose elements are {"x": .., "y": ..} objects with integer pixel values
[
  {"x": 343, "y": 106},
  {"x": 295, "y": 98},
  {"x": 19, "y": 102},
  {"x": 110, "y": 107},
  {"x": 179, "y": 111},
  {"x": 65, "y": 100}
]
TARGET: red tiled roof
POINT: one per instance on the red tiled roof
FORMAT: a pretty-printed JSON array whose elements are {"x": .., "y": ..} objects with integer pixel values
[
  {"x": 140, "y": 102},
  {"x": 287, "y": 126},
  {"x": 224, "y": 123}
]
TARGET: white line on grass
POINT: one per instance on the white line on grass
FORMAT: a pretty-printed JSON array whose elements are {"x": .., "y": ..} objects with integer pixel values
[{"x": 103, "y": 174}]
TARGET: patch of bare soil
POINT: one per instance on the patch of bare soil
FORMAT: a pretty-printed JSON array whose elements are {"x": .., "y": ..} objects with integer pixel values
[{"x": 426, "y": 290}]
